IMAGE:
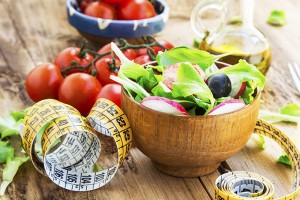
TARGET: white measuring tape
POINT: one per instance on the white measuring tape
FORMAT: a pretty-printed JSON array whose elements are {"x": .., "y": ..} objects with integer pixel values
[
  {"x": 70, "y": 146},
  {"x": 239, "y": 185}
]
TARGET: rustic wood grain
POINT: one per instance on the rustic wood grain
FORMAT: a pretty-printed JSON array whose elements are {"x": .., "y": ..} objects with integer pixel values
[{"x": 35, "y": 31}]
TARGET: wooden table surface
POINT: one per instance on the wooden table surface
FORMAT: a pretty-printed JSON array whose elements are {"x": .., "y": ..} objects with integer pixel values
[{"x": 33, "y": 31}]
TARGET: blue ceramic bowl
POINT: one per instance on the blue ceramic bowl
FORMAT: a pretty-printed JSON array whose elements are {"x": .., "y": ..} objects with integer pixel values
[{"x": 106, "y": 28}]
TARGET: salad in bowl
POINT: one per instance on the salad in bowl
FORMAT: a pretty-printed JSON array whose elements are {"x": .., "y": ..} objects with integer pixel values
[{"x": 187, "y": 81}]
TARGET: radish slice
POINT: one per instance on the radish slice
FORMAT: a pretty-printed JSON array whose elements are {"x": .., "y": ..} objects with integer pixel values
[
  {"x": 237, "y": 87},
  {"x": 164, "y": 105},
  {"x": 227, "y": 106}
]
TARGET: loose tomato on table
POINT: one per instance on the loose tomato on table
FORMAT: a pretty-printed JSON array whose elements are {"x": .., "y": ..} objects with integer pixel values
[
  {"x": 111, "y": 92},
  {"x": 43, "y": 82},
  {"x": 105, "y": 68},
  {"x": 100, "y": 10},
  {"x": 69, "y": 55},
  {"x": 79, "y": 90},
  {"x": 135, "y": 10},
  {"x": 129, "y": 53}
]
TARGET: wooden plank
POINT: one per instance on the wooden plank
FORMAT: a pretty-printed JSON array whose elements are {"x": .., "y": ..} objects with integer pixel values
[{"x": 35, "y": 31}]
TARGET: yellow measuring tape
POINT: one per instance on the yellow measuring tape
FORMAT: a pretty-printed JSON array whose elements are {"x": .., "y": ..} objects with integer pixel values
[
  {"x": 70, "y": 148},
  {"x": 239, "y": 185},
  {"x": 69, "y": 145}
]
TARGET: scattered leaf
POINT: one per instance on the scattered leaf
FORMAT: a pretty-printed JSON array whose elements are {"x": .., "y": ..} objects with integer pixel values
[{"x": 277, "y": 18}]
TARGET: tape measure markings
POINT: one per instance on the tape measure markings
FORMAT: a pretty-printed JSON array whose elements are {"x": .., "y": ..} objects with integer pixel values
[
  {"x": 244, "y": 185},
  {"x": 70, "y": 162},
  {"x": 285, "y": 143}
]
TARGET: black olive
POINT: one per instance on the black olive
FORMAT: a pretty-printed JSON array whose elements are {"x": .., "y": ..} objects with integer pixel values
[{"x": 220, "y": 85}]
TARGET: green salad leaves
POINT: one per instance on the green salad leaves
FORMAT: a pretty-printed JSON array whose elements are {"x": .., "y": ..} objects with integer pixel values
[
  {"x": 11, "y": 152},
  {"x": 189, "y": 89},
  {"x": 277, "y": 18},
  {"x": 288, "y": 113}
]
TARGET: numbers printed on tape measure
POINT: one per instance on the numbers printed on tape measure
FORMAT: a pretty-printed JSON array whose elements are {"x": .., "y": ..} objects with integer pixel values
[
  {"x": 239, "y": 185},
  {"x": 69, "y": 163}
]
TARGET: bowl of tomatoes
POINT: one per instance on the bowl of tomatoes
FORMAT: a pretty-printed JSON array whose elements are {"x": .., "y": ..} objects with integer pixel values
[{"x": 108, "y": 19}]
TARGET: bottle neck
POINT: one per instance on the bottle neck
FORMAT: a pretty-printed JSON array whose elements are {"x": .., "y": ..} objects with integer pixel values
[
  {"x": 247, "y": 10},
  {"x": 239, "y": 13}
]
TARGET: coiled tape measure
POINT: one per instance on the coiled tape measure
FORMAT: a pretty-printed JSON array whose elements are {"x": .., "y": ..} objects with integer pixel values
[
  {"x": 70, "y": 164},
  {"x": 239, "y": 185}
]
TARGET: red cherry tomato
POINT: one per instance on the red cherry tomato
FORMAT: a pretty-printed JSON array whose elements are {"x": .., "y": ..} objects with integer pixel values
[
  {"x": 43, "y": 82},
  {"x": 84, "y": 4},
  {"x": 111, "y": 92},
  {"x": 79, "y": 90},
  {"x": 156, "y": 49},
  {"x": 129, "y": 53},
  {"x": 142, "y": 59},
  {"x": 113, "y": 1},
  {"x": 104, "y": 70},
  {"x": 67, "y": 56},
  {"x": 135, "y": 10},
  {"x": 100, "y": 10}
]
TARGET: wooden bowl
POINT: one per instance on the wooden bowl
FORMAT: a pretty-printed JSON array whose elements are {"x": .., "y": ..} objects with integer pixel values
[{"x": 189, "y": 146}]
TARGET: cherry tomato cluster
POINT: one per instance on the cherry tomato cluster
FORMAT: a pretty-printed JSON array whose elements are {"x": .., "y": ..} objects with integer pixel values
[
  {"x": 79, "y": 76},
  {"x": 118, "y": 9}
]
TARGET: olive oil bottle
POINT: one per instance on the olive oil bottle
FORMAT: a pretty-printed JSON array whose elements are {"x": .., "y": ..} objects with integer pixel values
[
  {"x": 240, "y": 46},
  {"x": 226, "y": 26}
]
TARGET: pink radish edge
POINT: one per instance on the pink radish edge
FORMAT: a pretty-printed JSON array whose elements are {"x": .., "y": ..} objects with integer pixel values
[
  {"x": 164, "y": 105},
  {"x": 227, "y": 106}
]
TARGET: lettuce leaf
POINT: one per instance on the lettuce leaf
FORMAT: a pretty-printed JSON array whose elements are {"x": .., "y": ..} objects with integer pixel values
[
  {"x": 10, "y": 126},
  {"x": 277, "y": 18},
  {"x": 187, "y": 54},
  {"x": 10, "y": 170},
  {"x": 245, "y": 72},
  {"x": 288, "y": 113},
  {"x": 192, "y": 84},
  {"x": 292, "y": 109},
  {"x": 284, "y": 159},
  {"x": 6, "y": 150}
]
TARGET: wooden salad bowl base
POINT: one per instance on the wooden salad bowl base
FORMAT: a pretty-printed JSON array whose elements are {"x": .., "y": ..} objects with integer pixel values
[
  {"x": 185, "y": 171},
  {"x": 189, "y": 146}
]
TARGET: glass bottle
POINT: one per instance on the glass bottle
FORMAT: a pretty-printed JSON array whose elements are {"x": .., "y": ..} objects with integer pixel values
[{"x": 227, "y": 26}]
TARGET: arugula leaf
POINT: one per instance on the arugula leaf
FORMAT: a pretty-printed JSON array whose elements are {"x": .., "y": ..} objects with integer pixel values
[
  {"x": 187, "y": 54},
  {"x": 277, "y": 18}
]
